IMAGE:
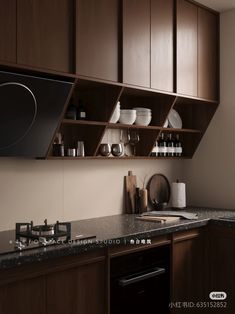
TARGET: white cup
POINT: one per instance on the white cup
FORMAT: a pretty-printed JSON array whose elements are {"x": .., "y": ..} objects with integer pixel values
[{"x": 80, "y": 149}]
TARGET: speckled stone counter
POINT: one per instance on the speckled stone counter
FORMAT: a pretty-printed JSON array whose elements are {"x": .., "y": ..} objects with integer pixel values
[{"x": 108, "y": 231}]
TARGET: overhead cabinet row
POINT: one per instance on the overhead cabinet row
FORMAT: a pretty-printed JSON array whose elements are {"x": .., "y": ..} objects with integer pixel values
[{"x": 161, "y": 44}]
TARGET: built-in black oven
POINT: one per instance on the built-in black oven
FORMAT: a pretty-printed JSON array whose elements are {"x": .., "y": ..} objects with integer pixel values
[{"x": 140, "y": 282}]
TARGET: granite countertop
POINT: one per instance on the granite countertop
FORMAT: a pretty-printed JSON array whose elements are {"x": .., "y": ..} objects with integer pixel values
[{"x": 110, "y": 230}]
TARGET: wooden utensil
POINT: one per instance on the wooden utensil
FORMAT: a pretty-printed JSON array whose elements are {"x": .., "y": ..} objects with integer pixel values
[
  {"x": 159, "y": 191},
  {"x": 130, "y": 186}
]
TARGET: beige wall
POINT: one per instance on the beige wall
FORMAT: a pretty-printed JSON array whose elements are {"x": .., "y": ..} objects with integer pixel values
[
  {"x": 68, "y": 190},
  {"x": 210, "y": 176}
]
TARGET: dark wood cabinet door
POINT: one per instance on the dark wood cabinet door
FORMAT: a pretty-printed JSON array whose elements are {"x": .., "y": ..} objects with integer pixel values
[
  {"x": 77, "y": 290},
  {"x": 97, "y": 38},
  {"x": 208, "y": 47},
  {"x": 186, "y": 80},
  {"x": 162, "y": 58},
  {"x": 8, "y": 30},
  {"x": 136, "y": 42},
  {"x": 44, "y": 34},
  {"x": 188, "y": 273},
  {"x": 23, "y": 297},
  {"x": 222, "y": 261}
]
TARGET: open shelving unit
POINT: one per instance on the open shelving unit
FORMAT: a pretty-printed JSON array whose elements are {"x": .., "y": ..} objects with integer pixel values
[{"x": 100, "y": 99}]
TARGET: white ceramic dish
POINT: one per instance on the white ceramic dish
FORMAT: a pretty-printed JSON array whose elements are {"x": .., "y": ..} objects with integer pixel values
[
  {"x": 174, "y": 119},
  {"x": 128, "y": 111},
  {"x": 143, "y": 120},
  {"x": 144, "y": 114},
  {"x": 166, "y": 124},
  {"x": 116, "y": 114},
  {"x": 127, "y": 116},
  {"x": 139, "y": 109}
]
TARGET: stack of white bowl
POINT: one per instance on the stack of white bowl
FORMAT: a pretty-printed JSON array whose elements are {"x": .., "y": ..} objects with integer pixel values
[
  {"x": 116, "y": 114},
  {"x": 127, "y": 116},
  {"x": 143, "y": 116}
]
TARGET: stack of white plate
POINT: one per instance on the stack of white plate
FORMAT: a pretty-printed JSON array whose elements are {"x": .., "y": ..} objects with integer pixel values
[
  {"x": 116, "y": 114},
  {"x": 143, "y": 116}
]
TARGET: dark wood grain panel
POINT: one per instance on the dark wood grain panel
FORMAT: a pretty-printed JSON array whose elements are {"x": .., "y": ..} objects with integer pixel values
[
  {"x": 221, "y": 264},
  {"x": 97, "y": 38},
  {"x": 208, "y": 32},
  {"x": 188, "y": 270},
  {"x": 78, "y": 290},
  {"x": 186, "y": 81},
  {"x": 44, "y": 34},
  {"x": 8, "y": 30},
  {"x": 136, "y": 42},
  {"x": 23, "y": 297},
  {"x": 162, "y": 58}
]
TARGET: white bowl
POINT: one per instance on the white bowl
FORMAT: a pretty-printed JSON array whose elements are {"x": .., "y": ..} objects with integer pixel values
[
  {"x": 138, "y": 109},
  {"x": 128, "y": 111},
  {"x": 140, "y": 114},
  {"x": 127, "y": 118},
  {"x": 143, "y": 120}
]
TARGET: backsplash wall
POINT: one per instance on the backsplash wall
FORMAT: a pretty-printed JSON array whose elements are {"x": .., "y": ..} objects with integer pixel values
[{"x": 69, "y": 190}]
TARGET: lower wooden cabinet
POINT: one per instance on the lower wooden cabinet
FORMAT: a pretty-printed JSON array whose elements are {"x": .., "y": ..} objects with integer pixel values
[
  {"x": 222, "y": 265},
  {"x": 189, "y": 281},
  {"x": 26, "y": 296},
  {"x": 70, "y": 285},
  {"x": 77, "y": 290}
]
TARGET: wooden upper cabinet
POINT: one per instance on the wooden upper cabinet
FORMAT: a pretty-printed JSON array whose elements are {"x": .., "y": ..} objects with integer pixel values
[
  {"x": 162, "y": 41},
  {"x": 97, "y": 38},
  {"x": 8, "y": 30},
  {"x": 44, "y": 34},
  {"x": 187, "y": 66},
  {"x": 208, "y": 46},
  {"x": 136, "y": 42}
]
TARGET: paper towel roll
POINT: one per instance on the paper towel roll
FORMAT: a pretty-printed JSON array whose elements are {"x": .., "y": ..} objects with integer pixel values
[{"x": 178, "y": 195}]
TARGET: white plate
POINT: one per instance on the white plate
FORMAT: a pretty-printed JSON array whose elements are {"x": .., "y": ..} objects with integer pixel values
[
  {"x": 166, "y": 124},
  {"x": 174, "y": 119}
]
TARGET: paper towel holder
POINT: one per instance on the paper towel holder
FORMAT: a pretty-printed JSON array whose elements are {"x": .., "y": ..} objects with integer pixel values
[{"x": 178, "y": 191}]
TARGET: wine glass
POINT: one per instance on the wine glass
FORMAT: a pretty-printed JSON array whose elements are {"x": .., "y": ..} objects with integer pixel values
[
  {"x": 124, "y": 141},
  {"x": 133, "y": 139}
]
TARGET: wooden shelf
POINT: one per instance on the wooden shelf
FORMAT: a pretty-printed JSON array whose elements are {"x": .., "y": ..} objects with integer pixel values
[
  {"x": 171, "y": 130},
  {"x": 100, "y": 99},
  {"x": 115, "y": 158},
  {"x": 128, "y": 126},
  {"x": 83, "y": 122}
]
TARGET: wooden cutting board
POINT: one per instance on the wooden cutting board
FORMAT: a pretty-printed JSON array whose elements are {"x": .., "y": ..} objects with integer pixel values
[
  {"x": 161, "y": 219},
  {"x": 130, "y": 186}
]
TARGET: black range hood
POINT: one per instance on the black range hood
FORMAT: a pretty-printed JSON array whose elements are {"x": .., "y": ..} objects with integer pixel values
[{"x": 30, "y": 109}]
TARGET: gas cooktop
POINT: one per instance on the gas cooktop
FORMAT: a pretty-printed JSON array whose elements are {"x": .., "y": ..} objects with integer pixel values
[{"x": 29, "y": 236}]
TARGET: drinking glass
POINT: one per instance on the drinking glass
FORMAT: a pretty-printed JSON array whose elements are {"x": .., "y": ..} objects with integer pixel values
[{"x": 133, "y": 139}]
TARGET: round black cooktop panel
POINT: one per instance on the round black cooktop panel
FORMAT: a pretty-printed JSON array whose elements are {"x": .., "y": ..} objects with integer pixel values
[{"x": 18, "y": 110}]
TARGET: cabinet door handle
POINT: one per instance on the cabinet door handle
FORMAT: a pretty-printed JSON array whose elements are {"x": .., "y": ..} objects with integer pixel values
[{"x": 153, "y": 272}]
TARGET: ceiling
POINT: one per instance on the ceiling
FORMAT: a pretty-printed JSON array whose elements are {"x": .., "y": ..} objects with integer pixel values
[{"x": 219, "y": 5}]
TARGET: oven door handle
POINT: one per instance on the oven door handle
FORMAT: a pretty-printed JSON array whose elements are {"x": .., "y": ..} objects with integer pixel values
[{"x": 150, "y": 273}]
